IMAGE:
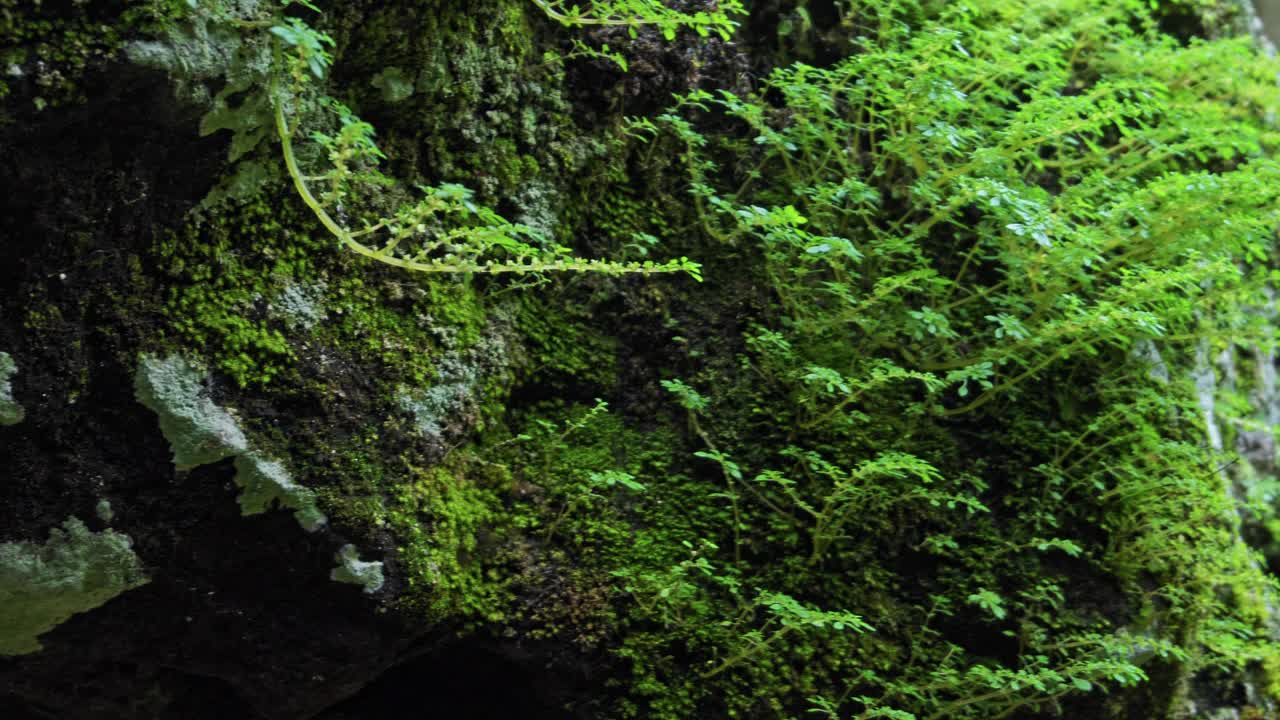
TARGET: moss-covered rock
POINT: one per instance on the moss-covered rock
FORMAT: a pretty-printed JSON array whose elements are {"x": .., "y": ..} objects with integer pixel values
[{"x": 661, "y": 548}]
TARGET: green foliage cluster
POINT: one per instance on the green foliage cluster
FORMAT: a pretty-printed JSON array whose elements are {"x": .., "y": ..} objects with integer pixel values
[
  {"x": 445, "y": 230},
  {"x": 954, "y": 463},
  {"x": 633, "y": 14},
  {"x": 975, "y": 495}
]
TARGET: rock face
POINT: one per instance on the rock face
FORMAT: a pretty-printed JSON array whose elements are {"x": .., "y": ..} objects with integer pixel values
[
  {"x": 231, "y": 624},
  {"x": 202, "y": 433},
  {"x": 207, "y": 588},
  {"x": 244, "y": 474}
]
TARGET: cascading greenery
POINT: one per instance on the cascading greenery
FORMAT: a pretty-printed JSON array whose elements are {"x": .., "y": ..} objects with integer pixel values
[
  {"x": 958, "y": 466},
  {"x": 633, "y": 14},
  {"x": 995, "y": 238},
  {"x": 446, "y": 231}
]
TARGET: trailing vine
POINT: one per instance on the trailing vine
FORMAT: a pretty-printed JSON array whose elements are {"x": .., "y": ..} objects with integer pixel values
[{"x": 446, "y": 230}]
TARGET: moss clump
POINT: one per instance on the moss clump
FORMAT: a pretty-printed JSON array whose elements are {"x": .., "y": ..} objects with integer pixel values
[
  {"x": 563, "y": 346},
  {"x": 440, "y": 514},
  {"x": 256, "y": 314},
  {"x": 11, "y": 413},
  {"x": 217, "y": 297},
  {"x": 42, "y": 585}
]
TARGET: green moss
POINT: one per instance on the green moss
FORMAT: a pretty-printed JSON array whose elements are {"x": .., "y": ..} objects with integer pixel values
[
  {"x": 439, "y": 515},
  {"x": 487, "y": 110},
  {"x": 241, "y": 273},
  {"x": 216, "y": 299},
  {"x": 74, "y": 571},
  {"x": 52, "y": 45},
  {"x": 563, "y": 346}
]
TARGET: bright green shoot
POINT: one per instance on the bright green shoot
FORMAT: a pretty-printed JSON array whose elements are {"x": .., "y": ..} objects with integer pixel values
[{"x": 633, "y": 14}]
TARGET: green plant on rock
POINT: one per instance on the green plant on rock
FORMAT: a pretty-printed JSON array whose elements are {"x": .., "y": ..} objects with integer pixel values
[
  {"x": 976, "y": 261},
  {"x": 445, "y": 231},
  {"x": 333, "y": 164},
  {"x": 968, "y": 230},
  {"x": 633, "y": 14}
]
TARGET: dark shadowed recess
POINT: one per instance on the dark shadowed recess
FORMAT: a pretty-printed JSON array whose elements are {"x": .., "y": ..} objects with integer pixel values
[{"x": 457, "y": 682}]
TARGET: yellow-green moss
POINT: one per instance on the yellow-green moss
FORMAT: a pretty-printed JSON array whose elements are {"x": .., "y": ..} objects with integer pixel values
[{"x": 51, "y": 45}]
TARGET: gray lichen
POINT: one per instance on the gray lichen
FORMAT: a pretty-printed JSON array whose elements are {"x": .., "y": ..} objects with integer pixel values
[
  {"x": 11, "y": 413},
  {"x": 190, "y": 53},
  {"x": 198, "y": 431},
  {"x": 432, "y": 406},
  {"x": 265, "y": 482},
  {"x": 300, "y": 306},
  {"x": 201, "y": 432},
  {"x": 354, "y": 571},
  {"x": 202, "y": 55},
  {"x": 42, "y": 585},
  {"x": 446, "y": 404}
]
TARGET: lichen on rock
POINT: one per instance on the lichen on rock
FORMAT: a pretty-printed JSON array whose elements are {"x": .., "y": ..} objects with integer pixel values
[
  {"x": 453, "y": 400},
  {"x": 199, "y": 431},
  {"x": 354, "y": 571},
  {"x": 300, "y": 305},
  {"x": 195, "y": 51},
  {"x": 11, "y": 413},
  {"x": 202, "y": 432},
  {"x": 266, "y": 482},
  {"x": 42, "y": 585}
]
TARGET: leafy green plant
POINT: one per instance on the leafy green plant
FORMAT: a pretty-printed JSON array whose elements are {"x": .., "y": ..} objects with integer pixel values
[
  {"x": 982, "y": 258},
  {"x": 633, "y": 14},
  {"x": 874, "y": 488},
  {"x": 446, "y": 230},
  {"x": 967, "y": 230}
]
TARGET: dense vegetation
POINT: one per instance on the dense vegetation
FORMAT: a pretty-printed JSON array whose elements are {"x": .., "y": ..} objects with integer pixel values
[{"x": 939, "y": 422}]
